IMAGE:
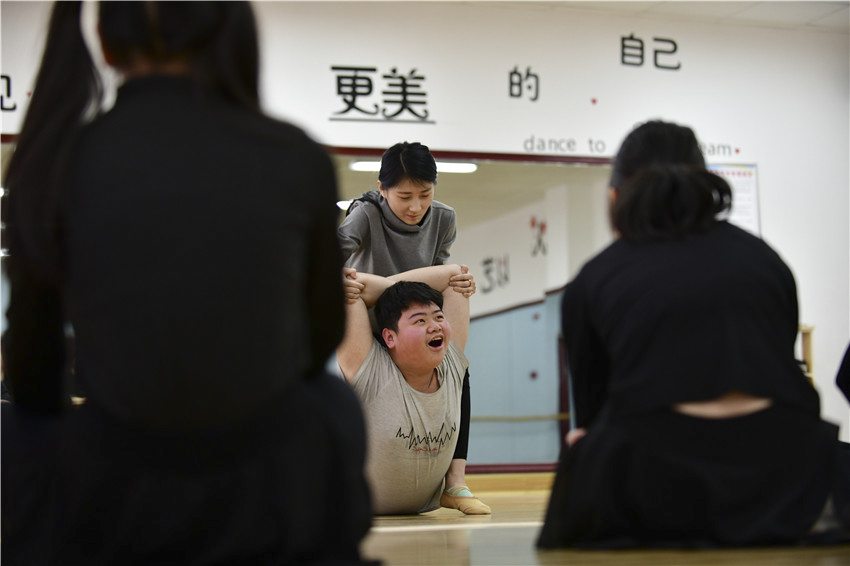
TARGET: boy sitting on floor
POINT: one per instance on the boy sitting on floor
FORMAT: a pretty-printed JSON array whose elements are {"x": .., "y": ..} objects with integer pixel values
[{"x": 409, "y": 382}]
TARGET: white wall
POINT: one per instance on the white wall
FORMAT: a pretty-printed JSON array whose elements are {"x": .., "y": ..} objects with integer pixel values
[{"x": 778, "y": 99}]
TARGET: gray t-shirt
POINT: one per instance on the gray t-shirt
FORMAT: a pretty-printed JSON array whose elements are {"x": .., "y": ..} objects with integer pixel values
[{"x": 411, "y": 435}]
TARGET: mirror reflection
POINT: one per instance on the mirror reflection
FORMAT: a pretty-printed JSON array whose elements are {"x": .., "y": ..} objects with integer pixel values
[{"x": 509, "y": 209}]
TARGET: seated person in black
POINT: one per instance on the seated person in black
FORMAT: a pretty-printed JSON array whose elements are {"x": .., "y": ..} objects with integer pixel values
[
  {"x": 189, "y": 242},
  {"x": 695, "y": 424}
]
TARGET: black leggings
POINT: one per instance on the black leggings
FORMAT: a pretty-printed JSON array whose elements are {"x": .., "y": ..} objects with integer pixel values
[{"x": 463, "y": 438}]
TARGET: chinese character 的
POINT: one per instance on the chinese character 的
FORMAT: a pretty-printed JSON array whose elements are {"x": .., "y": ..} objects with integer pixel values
[{"x": 516, "y": 80}]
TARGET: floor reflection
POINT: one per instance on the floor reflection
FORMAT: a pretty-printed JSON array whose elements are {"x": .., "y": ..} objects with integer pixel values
[{"x": 506, "y": 538}]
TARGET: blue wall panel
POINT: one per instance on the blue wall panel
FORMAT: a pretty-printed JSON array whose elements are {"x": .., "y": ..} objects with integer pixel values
[{"x": 513, "y": 359}]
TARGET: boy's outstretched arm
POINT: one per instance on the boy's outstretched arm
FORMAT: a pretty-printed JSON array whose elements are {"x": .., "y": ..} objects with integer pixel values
[{"x": 357, "y": 339}]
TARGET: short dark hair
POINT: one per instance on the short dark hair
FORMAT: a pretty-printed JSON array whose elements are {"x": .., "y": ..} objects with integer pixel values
[
  {"x": 407, "y": 161},
  {"x": 401, "y": 296},
  {"x": 663, "y": 187}
]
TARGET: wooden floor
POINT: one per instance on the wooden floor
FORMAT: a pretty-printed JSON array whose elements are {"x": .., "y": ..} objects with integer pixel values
[{"x": 448, "y": 538}]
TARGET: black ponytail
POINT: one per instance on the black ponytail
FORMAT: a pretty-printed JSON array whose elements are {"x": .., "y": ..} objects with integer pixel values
[
  {"x": 669, "y": 201},
  {"x": 67, "y": 90},
  {"x": 663, "y": 188},
  {"x": 235, "y": 56},
  {"x": 217, "y": 39}
]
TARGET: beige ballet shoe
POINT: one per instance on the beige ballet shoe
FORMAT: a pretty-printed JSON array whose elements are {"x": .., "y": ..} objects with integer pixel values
[{"x": 467, "y": 504}]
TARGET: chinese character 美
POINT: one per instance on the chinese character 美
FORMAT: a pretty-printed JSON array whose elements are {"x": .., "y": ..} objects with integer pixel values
[
  {"x": 515, "y": 83},
  {"x": 406, "y": 89},
  {"x": 6, "y": 94},
  {"x": 351, "y": 86}
]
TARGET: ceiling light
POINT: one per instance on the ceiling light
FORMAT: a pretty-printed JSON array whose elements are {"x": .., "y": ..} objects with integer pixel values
[
  {"x": 456, "y": 167},
  {"x": 442, "y": 166},
  {"x": 365, "y": 165}
]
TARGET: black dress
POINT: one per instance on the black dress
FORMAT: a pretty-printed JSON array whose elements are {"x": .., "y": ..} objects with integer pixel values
[
  {"x": 650, "y": 325},
  {"x": 201, "y": 280}
]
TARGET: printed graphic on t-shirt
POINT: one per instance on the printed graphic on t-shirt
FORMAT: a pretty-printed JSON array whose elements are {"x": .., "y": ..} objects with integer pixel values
[{"x": 432, "y": 443}]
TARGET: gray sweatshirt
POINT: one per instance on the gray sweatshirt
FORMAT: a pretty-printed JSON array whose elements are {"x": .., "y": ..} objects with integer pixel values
[{"x": 374, "y": 240}]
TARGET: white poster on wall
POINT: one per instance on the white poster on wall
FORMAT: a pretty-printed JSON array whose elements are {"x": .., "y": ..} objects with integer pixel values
[{"x": 745, "y": 203}]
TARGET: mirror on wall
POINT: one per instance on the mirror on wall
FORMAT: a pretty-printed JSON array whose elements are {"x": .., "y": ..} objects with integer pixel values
[
  {"x": 518, "y": 406},
  {"x": 515, "y": 378}
]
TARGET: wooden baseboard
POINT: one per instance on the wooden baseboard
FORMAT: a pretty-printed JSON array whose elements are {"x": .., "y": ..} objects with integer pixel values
[
  {"x": 529, "y": 481},
  {"x": 510, "y": 468}
]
